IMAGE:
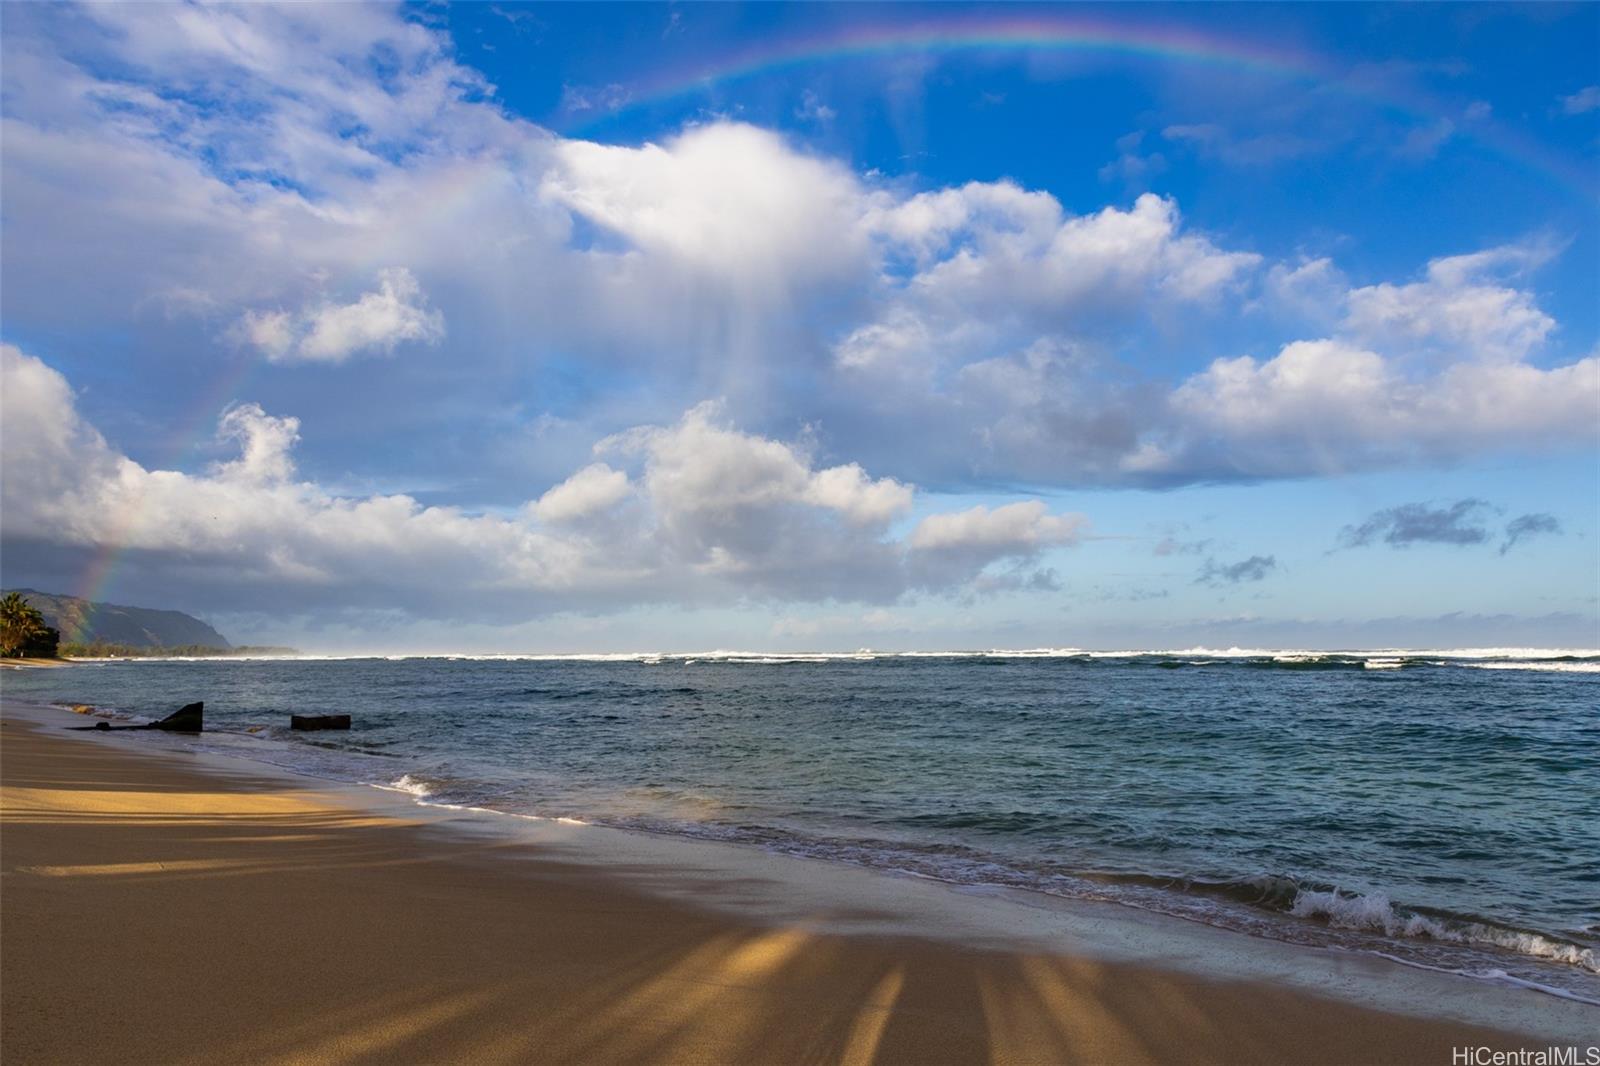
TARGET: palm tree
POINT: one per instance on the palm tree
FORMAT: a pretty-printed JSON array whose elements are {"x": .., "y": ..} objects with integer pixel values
[{"x": 22, "y": 629}]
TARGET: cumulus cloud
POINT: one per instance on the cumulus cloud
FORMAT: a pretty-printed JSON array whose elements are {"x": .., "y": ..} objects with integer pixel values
[
  {"x": 1419, "y": 523},
  {"x": 264, "y": 444},
  {"x": 592, "y": 490},
  {"x": 1331, "y": 406},
  {"x": 702, "y": 468},
  {"x": 1255, "y": 568},
  {"x": 986, "y": 241},
  {"x": 709, "y": 514},
  {"x": 1459, "y": 307},
  {"x": 331, "y": 333},
  {"x": 730, "y": 201},
  {"x": 956, "y": 547},
  {"x": 1529, "y": 525}
]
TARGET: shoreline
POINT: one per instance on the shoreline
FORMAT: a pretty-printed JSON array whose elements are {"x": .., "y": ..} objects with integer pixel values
[
  {"x": 34, "y": 663},
  {"x": 1448, "y": 952},
  {"x": 1013, "y": 971}
]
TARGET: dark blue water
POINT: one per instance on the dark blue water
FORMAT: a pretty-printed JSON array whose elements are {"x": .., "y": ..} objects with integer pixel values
[{"x": 1443, "y": 811}]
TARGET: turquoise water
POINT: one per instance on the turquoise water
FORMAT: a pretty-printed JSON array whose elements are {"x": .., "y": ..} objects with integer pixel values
[{"x": 1444, "y": 811}]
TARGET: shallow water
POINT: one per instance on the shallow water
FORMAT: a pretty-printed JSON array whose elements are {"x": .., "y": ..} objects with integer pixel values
[{"x": 1441, "y": 809}]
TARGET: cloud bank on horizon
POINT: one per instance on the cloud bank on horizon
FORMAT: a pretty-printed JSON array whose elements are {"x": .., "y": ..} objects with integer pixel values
[{"x": 375, "y": 345}]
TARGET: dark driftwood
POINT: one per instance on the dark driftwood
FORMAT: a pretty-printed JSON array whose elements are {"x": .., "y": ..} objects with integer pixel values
[
  {"x": 319, "y": 721},
  {"x": 186, "y": 719}
]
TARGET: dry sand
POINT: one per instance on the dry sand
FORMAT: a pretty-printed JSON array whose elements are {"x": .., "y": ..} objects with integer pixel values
[{"x": 152, "y": 911}]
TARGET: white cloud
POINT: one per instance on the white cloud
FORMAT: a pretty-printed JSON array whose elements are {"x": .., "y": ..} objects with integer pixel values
[
  {"x": 1020, "y": 527},
  {"x": 1459, "y": 307},
  {"x": 1017, "y": 249},
  {"x": 729, "y": 200},
  {"x": 1328, "y": 406},
  {"x": 717, "y": 516},
  {"x": 708, "y": 480},
  {"x": 861, "y": 500},
  {"x": 996, "y": 264},
  {"x": 959, "y": 547},
  {"x": 264, "y": 443},
  {"x": 591, "y": 490},
  {"x": 331, "y": 333}
]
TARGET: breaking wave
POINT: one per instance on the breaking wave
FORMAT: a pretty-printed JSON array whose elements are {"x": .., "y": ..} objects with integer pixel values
[
  {"x": 1375, "y": 913},
  {"x": 414, "y": 786}
]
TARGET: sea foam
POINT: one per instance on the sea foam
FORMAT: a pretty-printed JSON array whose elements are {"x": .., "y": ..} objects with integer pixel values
[
  {"x": 414, "y": 786},
  {"x": 1375, "y": 913}
]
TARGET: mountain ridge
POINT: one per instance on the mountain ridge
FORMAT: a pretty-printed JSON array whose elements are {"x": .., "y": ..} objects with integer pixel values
[{"x": 84, "y": 621}]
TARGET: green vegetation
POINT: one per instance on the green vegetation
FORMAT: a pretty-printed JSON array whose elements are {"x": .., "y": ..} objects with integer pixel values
[
  {"x": 100, "y": 649},
  {"x": 23, "y": 632}
]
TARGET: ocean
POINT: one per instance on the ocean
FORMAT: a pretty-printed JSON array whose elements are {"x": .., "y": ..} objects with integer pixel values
[{"x": 1439, "y": 808}]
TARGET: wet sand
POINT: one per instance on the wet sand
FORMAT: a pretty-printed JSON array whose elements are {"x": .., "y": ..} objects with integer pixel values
[{"x": 156, "y": 910}]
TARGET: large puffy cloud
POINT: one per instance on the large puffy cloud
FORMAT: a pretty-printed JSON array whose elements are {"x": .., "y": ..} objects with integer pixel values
[
  {"x": 1459, "y": 307},
  {"x": 726, "y": 200},
  {"x": 1330, "y": 406},
  {"x": 992, "y": 261},
  {"x": 709, "y": 514},
  {"x": 703, "y": 471}
]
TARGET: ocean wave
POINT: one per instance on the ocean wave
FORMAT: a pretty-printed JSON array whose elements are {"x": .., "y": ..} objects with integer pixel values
[
  {"x": 1376, "y": 913},
  {"x": 410, "y": 784}
]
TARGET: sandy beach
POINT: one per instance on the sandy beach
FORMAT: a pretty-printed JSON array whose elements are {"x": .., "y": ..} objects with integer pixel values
[{"x": 157, "y": 909}]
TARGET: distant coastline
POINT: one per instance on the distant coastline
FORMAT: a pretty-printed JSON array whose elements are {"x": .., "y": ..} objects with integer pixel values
[
  {"x": 92, "y": 630},
  {"x": 103, "y": 650}
]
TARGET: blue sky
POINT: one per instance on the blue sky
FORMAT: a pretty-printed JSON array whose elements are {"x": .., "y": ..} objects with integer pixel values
[{"x": 510, "y": 327}]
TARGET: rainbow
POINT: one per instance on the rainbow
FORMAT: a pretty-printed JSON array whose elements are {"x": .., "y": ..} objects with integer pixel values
[
  {"x": 1073, "y": 33},
  {"x": 1058, "y": 33}
]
